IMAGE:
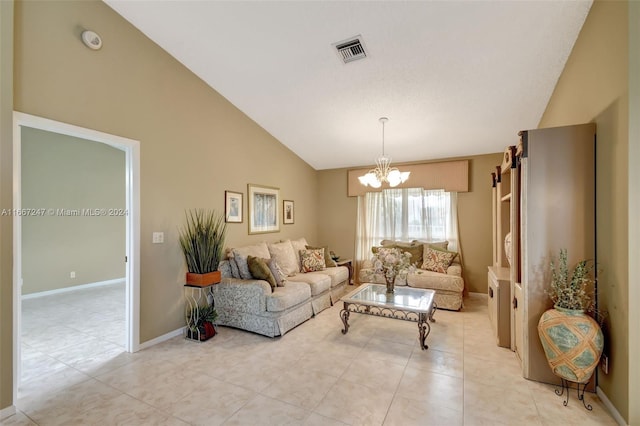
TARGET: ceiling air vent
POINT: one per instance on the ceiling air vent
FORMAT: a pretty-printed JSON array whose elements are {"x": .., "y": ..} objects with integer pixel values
[{"x": 351, "y": 50}]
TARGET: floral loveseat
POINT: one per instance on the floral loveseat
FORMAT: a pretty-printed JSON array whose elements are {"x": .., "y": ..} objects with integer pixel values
[
  {"x": 301, "y": 282},
  {"x": 436, "y": 269}
]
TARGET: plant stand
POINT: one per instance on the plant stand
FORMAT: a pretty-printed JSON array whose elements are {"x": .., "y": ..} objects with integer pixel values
[
  {"x": 196, "y": 296},
  {"x": 565, "y": 386}
]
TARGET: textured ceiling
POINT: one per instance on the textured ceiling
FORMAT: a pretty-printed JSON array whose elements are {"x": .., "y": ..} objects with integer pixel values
[{"x": 455, "y": 78}]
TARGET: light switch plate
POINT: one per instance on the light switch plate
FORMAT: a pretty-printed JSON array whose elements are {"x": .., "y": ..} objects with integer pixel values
[{"x": 158, "y": 237}]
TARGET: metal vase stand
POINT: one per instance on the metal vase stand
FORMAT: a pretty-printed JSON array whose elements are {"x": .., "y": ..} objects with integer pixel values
[{"x": 565, "y": 387}]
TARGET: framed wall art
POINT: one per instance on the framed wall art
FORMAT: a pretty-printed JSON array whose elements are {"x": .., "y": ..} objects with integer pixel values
[
  {"x": 233, "y": 207},
  {"x": 287, "y": 212},
  {"x": 264, "y": 209}
]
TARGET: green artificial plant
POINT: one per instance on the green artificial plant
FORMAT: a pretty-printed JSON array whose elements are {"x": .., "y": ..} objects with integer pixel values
[
  {"x": 575, "y": 291},
  {"x": 202, "y": 240}
]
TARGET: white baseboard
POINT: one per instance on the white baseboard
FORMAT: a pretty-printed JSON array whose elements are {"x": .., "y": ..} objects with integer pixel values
[
  {"x": 8, "y": 411},
  {"x": 75, "y": 287},
  {"x": 160, "y": 339},
  {"x": 607, "y": 403}
]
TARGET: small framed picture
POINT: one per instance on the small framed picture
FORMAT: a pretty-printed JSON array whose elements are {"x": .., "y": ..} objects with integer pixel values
[
  {"x": 264, "y": 206},
  {"x": 232, "y": 207},
  {"x": 287, "y": 212}
]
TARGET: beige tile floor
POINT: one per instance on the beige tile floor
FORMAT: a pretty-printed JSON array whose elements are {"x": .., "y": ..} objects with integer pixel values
[{"x": 314, "y": 375}]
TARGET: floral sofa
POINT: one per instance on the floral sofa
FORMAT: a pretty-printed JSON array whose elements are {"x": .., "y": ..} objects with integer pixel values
[
  {"x": 305, "y": 282},
  {"x": 436, "y": 269}
]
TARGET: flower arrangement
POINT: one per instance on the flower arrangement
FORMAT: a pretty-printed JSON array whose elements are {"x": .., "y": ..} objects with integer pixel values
[
  {"x": 391, "y": 262},
  {"x": 573, "y": 293}
]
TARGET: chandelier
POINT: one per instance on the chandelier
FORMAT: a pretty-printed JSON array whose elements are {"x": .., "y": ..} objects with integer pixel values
[{"x": 383, "y": 172}]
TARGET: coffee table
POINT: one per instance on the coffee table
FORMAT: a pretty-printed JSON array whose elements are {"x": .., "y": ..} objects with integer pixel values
[{"x": 405, "y": 303}]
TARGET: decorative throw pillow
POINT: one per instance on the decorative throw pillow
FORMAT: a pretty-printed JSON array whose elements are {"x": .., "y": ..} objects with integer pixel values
[
  {"x": 286, "y": 257},
  {"x": 328, "y": 261},
  {"x": 243, "y": 266},
  {"x": 312, "y": 260},
  {"x": 276, "y": 271},
  {"x": 225, "y": 269},
  {"x": 240, "y": 256},
  {"x": 416, "y": 253},
  {"x": 260, "y": 270},
  {"x": 438, "y": 245},
  {"x": 437, "y": 260},
  {"x": 235, "y": 272},
  {"x": 299, "y": 244}
]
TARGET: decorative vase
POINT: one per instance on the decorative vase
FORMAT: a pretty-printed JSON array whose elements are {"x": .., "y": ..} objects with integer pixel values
[
  {"x": 572, "y": 343},
  {"x": 507, "y": 247},
  {"x": 390, "y": 279},
  {"x": 203, "y": 332}
]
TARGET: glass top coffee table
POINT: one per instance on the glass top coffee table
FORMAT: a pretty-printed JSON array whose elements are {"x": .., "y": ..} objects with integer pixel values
[{"x": 405, "y": 303}]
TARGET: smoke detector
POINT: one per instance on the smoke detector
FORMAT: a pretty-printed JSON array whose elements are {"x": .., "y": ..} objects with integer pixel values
[
  {"x": 92, "y": 40},
  {"x": 351, "y": 49}
]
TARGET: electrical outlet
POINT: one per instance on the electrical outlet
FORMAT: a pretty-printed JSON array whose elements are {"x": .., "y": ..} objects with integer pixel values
[
  {"x": 604, "y": 363},
  {"x": 158, "y": 238},
  {"x": 72, "y": 274}
]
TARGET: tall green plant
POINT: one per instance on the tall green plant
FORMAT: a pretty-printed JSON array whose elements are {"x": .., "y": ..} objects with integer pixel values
[
  {"x": 202, "y": 240},
  {"x": 575, "y": 292}
]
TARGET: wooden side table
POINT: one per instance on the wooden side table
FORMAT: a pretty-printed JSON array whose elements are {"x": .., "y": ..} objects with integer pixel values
[{"x": 349, "y": 264}]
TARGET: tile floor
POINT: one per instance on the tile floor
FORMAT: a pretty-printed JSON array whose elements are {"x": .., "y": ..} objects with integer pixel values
[{"x": 314, "y": 375}]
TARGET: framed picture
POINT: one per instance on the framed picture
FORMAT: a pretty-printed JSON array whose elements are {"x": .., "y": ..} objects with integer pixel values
[
  {"x": 287, "y": 212},
  {"x": 233, "y": 207},
  {"x": 264, "y": 206}
]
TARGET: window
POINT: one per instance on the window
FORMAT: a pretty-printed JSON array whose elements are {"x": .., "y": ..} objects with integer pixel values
[{"x": 406, "y": 214}]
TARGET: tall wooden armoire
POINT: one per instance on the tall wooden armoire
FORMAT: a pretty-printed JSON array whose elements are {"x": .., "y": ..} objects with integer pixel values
[{"x": 551, "y": 207}]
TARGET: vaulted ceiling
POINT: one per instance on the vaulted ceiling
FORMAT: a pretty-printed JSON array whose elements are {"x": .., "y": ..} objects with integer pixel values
[{"x": 455, "y": 78}]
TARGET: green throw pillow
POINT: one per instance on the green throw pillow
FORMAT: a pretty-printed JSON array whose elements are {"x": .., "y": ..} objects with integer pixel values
[
  {"x": 260, "y": 270},
  {"x": 416, "y": 253}
]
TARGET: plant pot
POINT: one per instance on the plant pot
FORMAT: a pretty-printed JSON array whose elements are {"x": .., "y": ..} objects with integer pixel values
[
  {"x": 204, "y": 332},
  {"x": 202, "y": 280},
  {"x": 572, "y": 343}
]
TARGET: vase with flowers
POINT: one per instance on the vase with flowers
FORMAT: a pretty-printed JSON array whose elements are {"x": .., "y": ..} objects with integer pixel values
[
  {"x": 391, "y": 262},
  {"x": 571, "y": 338}
]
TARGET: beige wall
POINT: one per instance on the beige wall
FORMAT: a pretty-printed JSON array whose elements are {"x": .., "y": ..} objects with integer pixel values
[
  {"x": 6, "y": 201},
  {"x": 194, "y": 144},
  {"x": 634, "y": 209},
  {"x": 337, "y": 215},
  {"x": 474, "y": 220},
  {"x": 61, "y": 172},
  {"x": 594, "y": 88}
]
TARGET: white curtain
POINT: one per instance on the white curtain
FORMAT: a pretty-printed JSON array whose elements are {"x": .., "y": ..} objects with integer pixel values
[{"x": 405, "y": 214}]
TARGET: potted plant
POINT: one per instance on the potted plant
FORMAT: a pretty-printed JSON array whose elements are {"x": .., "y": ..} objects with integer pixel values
[
  {"x": 202, "y": 242},
  {"x": 200, "y": 323},
  {"x": 572, "y": 339}
]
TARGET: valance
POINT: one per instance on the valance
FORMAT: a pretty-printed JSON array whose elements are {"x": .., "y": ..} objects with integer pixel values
[{"x": 452, "y": 176}]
